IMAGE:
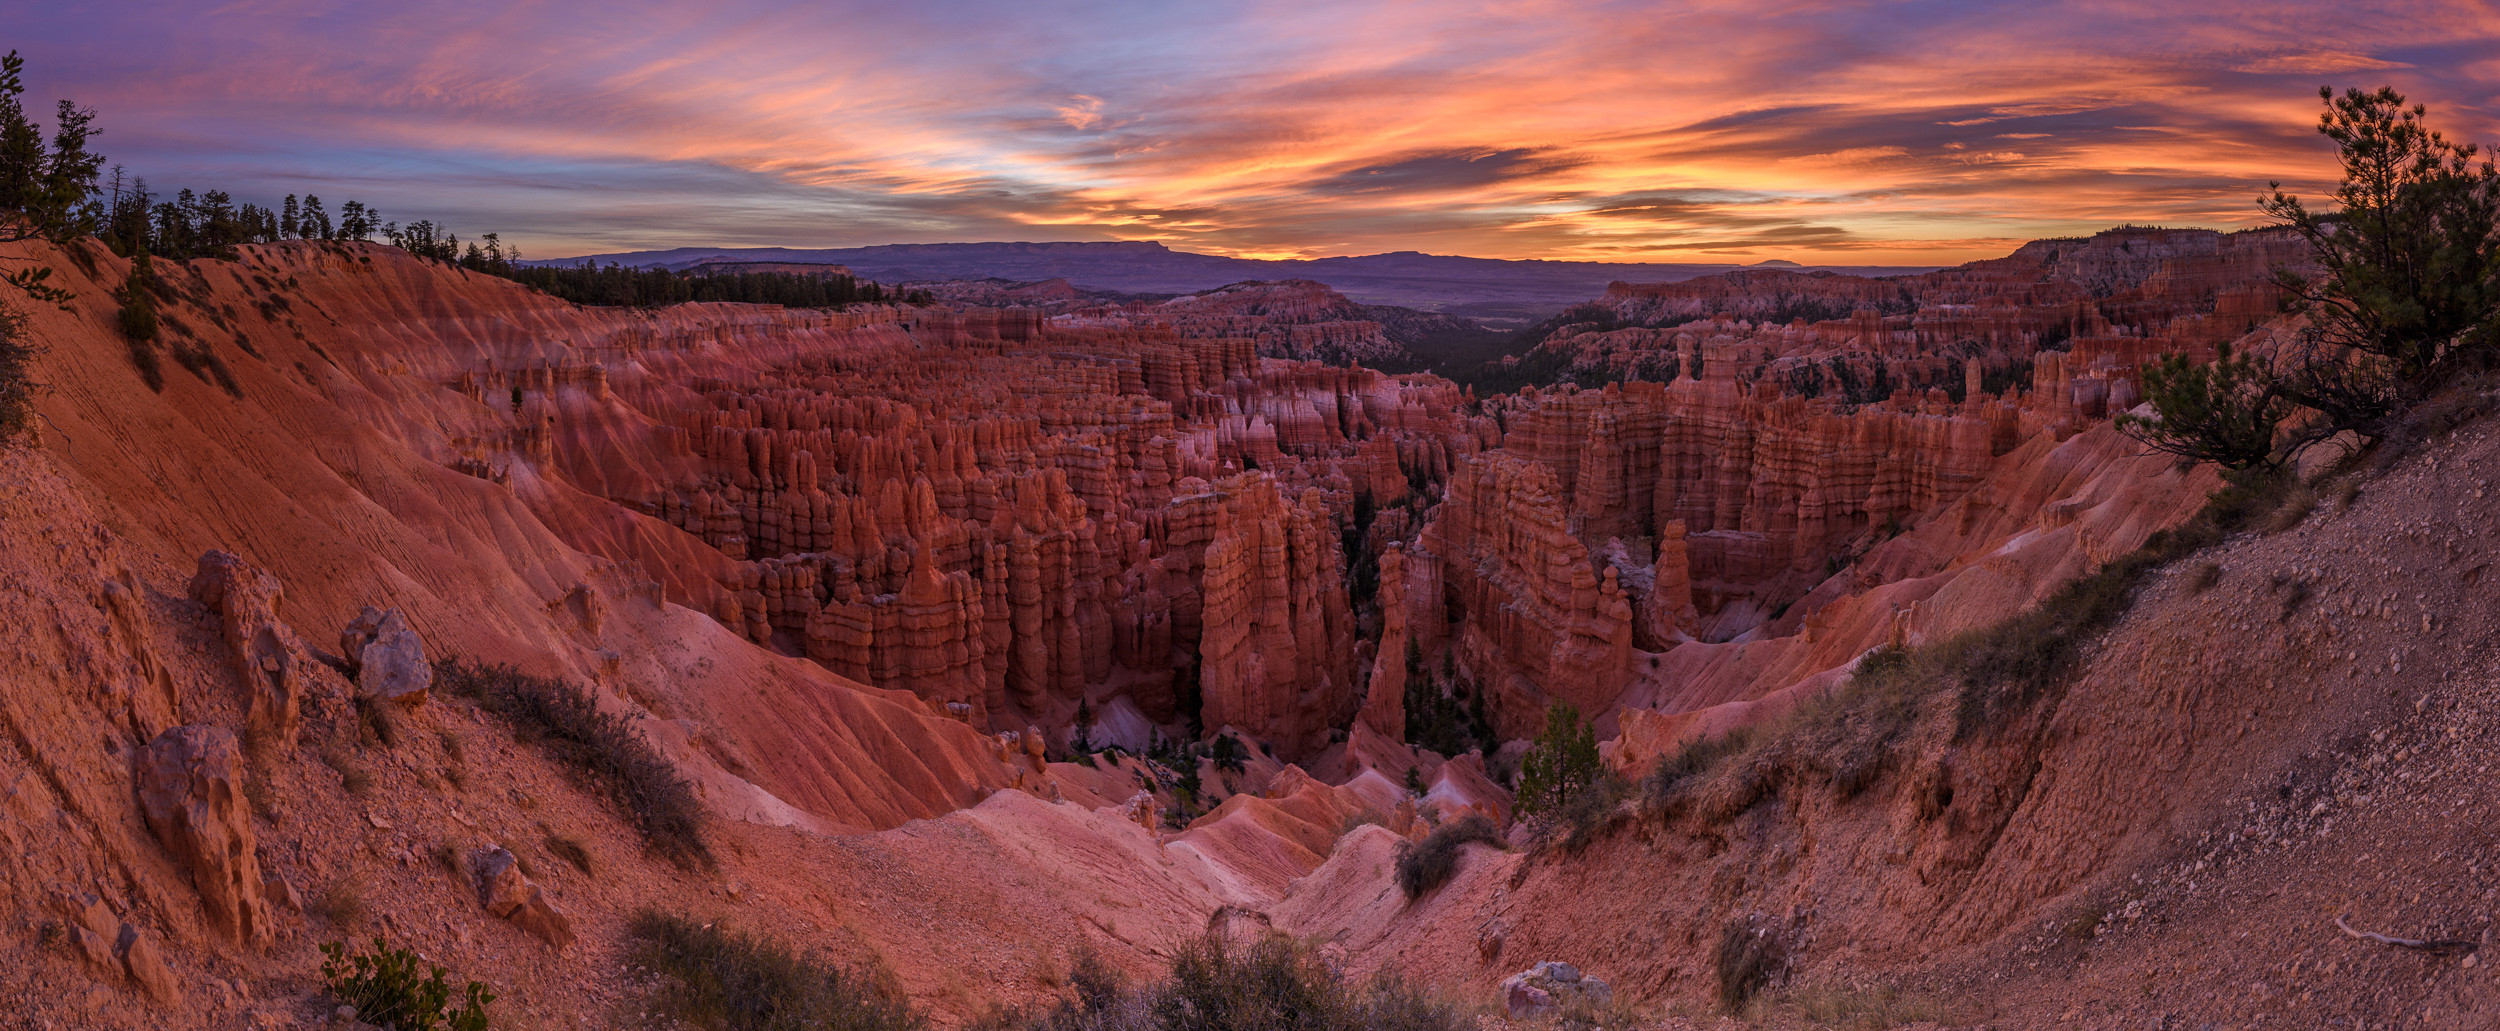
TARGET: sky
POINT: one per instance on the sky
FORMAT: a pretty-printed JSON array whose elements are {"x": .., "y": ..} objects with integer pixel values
[{"x": 1819, "y": 131}]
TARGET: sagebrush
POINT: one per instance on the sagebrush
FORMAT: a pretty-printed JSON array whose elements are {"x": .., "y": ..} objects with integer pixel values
[{"x": 1424, "y": 865}]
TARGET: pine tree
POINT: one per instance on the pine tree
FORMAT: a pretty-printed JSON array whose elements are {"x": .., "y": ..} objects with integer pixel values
[
  {"x": 2407, "y": 295},
  {"x": 44, "y": 191},
  {"x": 138, "y": 320},
  {"x": 1562, "y": 763},
  {"x": 315, "y": 223},
  {"x": 1081, "y": 741},
  {"x": 18, "y": 352},
  {"x": 2404, "y": 300},
  {"x": 2226, "y": 412},
  {"x": 138, "y": 316},
  {"x": 126, "y": 223},
  {"x": 358, "y": 221}
]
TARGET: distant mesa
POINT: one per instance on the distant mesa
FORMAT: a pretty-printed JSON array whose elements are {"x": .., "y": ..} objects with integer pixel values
[
  {"x": 1775, "y": 263},
  {"x": 1498, "y": 293},
  {"x": 811, "y": 269}
]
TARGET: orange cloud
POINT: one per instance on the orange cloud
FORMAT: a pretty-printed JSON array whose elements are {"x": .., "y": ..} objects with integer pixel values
[{"x": 1905, "y": 132}]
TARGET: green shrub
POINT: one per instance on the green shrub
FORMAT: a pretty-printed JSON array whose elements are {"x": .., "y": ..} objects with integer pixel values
[
  {"x": 1227, "y": 754},
  {"x": 1424, "y": 865},
  {"x": 1673, "y": 784},
  {"x": 1096, "y": 982},
  {"x": 602, "y": 748},
  {"x": 1586, "y": 812},
  {"x": 1271, "y": 984},
  {"x": 384, "y": 988},
  {"x": 721, "y": 980}
]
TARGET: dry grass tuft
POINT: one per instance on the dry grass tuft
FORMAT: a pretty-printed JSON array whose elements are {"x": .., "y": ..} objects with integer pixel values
[
  {"x": 603, "y": 749},
  {"x": 341, "y": 903},
  {"x": 262, "y": 794},
  {"x": 720, "y": 979},
  {"x": 378, "y": 721},
  {"x": 352, "y": 775},
  {"x": 2294, "y": 594},
  {"x": 2204, "y": 577},
  {"x": 1871, "y": 1009},
  {"x": 1748, "y": 959},
  {"x": 2082, "y": 923},
  {"x": 2296, "y": 505},
  {"x": 571, "y": 851}
]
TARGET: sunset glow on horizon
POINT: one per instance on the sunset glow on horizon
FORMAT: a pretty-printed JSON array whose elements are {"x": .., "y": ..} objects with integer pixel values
[{"x": 1704, "y": 130}]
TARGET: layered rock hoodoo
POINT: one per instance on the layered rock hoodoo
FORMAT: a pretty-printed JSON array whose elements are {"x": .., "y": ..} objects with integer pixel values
[
  {"x": 1007, "y": 524},
  {"x": 1294, "y": 319},
  {"x": 1764, "y": 465},
  {"x": 1010, "y": 513},
  {"x": 265, "y": 653},
  {"x": 190, "y": 782}
]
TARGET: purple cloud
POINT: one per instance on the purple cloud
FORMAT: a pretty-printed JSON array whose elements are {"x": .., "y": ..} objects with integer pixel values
[{"x": 1914, "y": 131}]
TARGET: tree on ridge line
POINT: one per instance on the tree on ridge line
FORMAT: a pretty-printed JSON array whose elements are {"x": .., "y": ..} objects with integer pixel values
[{"x": 2405, "y": 299}]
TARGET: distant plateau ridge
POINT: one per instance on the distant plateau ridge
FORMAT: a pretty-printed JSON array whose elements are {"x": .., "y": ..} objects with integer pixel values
[{"x": 1497, "y": 292}]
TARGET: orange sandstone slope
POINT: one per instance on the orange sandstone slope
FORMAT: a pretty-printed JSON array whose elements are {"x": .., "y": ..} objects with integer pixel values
[
  {"x": 333, "y": 464},
  {"x": 1015, "y": 517},
  {"x": 122, "y": 689},
  {"x": 2286, "y": 731},
  {"x": 847, "y": 564},
  {"x": 354, "y": 463}
]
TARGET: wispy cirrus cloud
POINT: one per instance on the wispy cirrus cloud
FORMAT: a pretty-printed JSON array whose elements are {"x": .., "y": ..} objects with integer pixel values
[{"x": 1916, "y": 131}]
